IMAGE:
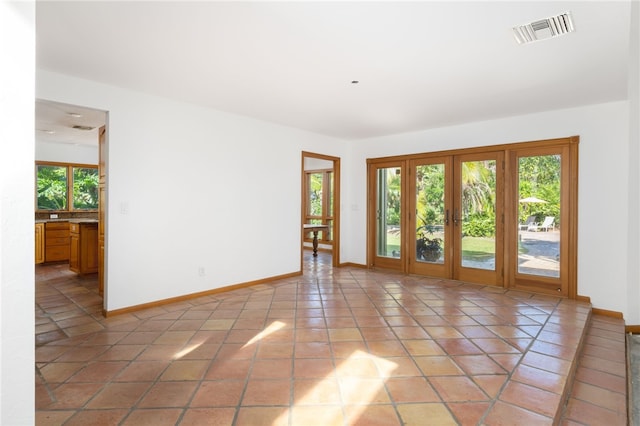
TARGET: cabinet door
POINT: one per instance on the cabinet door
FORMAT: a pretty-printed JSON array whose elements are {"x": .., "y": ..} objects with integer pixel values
[
  {"x": 39, "y": 249},
  {"x": 74, "y": 253},
  {"x": 89, "y": 249}
]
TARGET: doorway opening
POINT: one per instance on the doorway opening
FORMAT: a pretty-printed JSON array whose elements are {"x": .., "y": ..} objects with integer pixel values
[
  {"x": 320, "y": 218},
  {"x": 66, "y": 133}
]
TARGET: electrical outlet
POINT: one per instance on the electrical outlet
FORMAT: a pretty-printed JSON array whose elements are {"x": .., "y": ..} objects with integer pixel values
[
  {"x": 201, "y": 272},
  {"x": 53, "y": 216}
]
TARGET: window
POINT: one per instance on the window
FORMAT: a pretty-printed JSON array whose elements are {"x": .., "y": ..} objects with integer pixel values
[
  {"x": 66, "y": 187},
  {"x": 319, "y": 201}
]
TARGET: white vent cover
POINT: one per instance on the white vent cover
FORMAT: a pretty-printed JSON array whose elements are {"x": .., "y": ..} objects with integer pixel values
[{"x": 544, "y": 28}]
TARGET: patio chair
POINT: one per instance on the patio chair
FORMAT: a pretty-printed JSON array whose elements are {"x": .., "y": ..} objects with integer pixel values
[
  {"x": 531, "y": 220},
  {"x": 549, "y": 222}
]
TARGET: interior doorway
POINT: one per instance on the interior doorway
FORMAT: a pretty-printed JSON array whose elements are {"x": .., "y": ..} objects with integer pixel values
[
  {"x": 67, "y": 133},
  {"x": 320, "y": 178}
]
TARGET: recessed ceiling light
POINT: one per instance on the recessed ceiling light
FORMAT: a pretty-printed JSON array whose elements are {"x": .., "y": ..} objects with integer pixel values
[
  {"x": 74, "y": 114},
  {"x": 355, "y": 81},
  {"x": 543, "y": 29},
  {"x": 47, "y": 131}
]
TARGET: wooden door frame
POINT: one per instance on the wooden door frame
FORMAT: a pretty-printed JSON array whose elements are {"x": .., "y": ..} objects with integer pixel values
[
  {"x": 401, "y": 264},
  {"x": 335, "y": 254},
  {"x": 442, "y": 270},
  {"x": 462, "y": 273},
  {"x": 509, "y": 218},
  {"x": 568, "y": 219}
]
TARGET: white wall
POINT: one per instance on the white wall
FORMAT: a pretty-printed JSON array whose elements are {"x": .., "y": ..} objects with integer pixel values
[
  {"x": 633, "y": 294},
  {"x": 190, "y": 188},
  {"x": 317, "y": 164},
  {"x": 17, "y": 44},
  {"x": 64, "y": 153},
  {"x": 603, "y": 186}
]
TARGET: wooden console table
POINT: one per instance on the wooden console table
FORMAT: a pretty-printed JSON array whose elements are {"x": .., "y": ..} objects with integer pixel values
[{"x": 308, "y": 227}]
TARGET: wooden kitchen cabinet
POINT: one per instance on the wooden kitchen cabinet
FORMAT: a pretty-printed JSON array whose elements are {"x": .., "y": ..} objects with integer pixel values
[
  {"x": 83, "y": 256},
  {"x": 56, "y": 237},
  {"x": 39, "y": 243}
]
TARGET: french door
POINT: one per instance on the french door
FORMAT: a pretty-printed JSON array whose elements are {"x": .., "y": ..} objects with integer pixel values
[
  {"x": 450, "y": 198},
  {"x": 461, "y": 215}
]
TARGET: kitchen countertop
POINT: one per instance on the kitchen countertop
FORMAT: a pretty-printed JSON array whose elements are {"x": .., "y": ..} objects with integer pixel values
[{"x": 72, "y": 220}]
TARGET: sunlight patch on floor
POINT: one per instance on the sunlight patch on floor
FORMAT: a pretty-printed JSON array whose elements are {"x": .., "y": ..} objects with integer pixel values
[
  {"x": 272, "y": 328},
  {"x": 187, "y": 350},
  {"x": 362, "y": 390}
]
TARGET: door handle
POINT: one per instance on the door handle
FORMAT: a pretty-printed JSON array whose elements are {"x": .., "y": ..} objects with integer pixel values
[
  {"x": 455, "y": 217},
  {"x": 446, "y": 218}
]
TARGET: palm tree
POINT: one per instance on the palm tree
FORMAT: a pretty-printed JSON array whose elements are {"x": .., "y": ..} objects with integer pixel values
[{"x": 478, "y": 186}]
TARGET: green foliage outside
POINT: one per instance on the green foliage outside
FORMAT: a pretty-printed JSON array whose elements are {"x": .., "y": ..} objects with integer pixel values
[
  {"x": 52, "y": 188},
  {"x": 479, "y": 225},
  {"x": 85, "y": 189},
  {"x": 315, "y": 194},
  {"x": 540, "y": 178},
  {"x": 393, "y": 197},
  {"x": 478, "y": 198},
  {"x": 430, "y": 197}
]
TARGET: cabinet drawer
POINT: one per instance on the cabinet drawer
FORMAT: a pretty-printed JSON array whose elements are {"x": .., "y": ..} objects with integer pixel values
[
  {"x": 56, "y": 253},
  {"x": 57, "y": 241},
  {"x": 56, "y": 234},
  {"x": 57, "y": 225}
]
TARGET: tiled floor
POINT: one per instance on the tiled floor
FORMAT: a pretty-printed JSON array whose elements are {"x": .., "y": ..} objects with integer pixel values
[
  {"x": 599, "y": 392},
  {"x": 340, "y": 346}
]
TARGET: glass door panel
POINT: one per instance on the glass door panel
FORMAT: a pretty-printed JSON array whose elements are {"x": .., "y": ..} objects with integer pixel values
[
  {"x": 478, "y": 214},
  {"x": 388, "y": 210},
  {"x": 476, "y": 209},
  {"x": 430, "y": 186},
  {"x": 539, "y": 207},
  {"x": 543, "y": 233},
  {"x": 386, "y": 219},
  {"x": 430, "y": 213}
]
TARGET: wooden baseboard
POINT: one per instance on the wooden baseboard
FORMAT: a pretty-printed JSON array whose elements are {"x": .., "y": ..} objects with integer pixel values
[
  {"x": 353, "y": 265},
  {"x": 586, "y": 299},
  {"x": 598, "y": 311},
  {"x": 606, "y": 313},
  {"x": 633, "y": 329},
  {"x": 130, "y": 309}
]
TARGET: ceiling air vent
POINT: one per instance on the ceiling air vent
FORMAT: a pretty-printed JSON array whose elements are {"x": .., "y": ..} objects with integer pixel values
[
  {"x": 544, "y": 28},
  {"x": 85, "y": 128}
]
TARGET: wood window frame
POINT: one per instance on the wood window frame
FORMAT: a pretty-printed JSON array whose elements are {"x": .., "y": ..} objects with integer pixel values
[{"x": 69, "y": 186}]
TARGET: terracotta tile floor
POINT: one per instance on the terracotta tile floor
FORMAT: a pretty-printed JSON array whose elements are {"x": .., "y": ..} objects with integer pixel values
[{"x": 343, "y": 346}]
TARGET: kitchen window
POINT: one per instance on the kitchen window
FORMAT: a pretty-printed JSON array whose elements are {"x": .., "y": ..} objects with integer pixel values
[{"x": 66, "y": 187}]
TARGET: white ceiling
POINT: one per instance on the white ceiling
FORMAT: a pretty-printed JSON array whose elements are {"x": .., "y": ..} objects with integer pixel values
[
  {"x": 55, "y": 123},
  {"x": 419, "y": 64}
]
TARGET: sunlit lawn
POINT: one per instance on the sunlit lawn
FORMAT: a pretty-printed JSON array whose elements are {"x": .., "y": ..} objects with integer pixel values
[
  {"x": 478, "y": 248},
  {"x": 473, "y": 248}
]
